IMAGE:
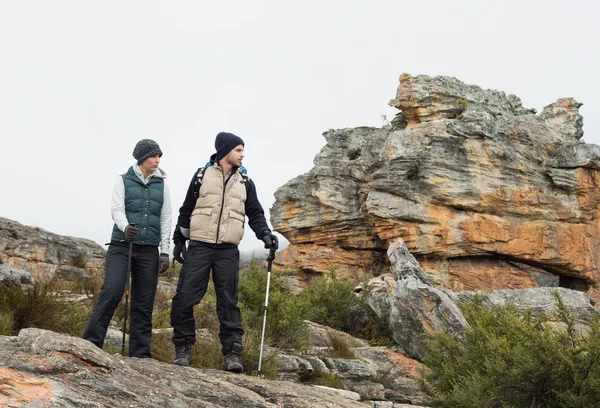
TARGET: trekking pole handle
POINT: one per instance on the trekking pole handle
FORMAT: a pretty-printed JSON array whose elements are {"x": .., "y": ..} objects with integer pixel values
[{"x": 271, "y": 256}]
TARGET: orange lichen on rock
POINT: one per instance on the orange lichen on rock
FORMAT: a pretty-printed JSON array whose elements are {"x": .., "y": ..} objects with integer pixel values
[{"x": 18, "y": 389}]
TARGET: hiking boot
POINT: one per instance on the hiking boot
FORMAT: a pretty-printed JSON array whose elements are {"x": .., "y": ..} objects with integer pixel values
[
  {"x": 233, "y": 359},
  {"x": 183, "y": 354}
]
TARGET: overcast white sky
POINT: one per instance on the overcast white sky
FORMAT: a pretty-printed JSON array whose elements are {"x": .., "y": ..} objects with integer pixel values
[{"x": 81, "y": 82}]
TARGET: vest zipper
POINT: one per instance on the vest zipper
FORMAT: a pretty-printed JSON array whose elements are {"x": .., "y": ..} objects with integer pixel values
[{"x": 221, "y": 212}]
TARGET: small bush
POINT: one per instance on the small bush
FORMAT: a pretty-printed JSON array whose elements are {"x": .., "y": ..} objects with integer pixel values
[
  {"x": 333, "y": 303},
  {"x": 461, "y": 106},
  {"x": 269, "y": 366},
  {"x": 161, "y": 347},
  {"x": 339, "y": 346},
  {"x": 161, "y": 315},
  {"x": 328, "y": 380},
  {"x": 79, "y": 260},
  {"x": 6, "y": 323},
  {"x": 510, "y": 358},
  {"x": 41, "y": 306},
  {"x": 286, "y": 312}
]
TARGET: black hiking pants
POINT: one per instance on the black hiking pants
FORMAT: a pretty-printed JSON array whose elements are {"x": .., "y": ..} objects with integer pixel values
[
  {"x": 200, "y": 259},
  {"x": 144, "y": 278}
]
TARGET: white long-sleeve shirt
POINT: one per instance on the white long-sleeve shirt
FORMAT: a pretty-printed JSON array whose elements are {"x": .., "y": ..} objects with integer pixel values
[{"x": 117, "y": 207}]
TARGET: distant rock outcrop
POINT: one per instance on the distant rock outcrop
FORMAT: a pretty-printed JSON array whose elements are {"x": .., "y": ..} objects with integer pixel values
[
  {"x": 486, "y": 194},
  {"x": 12, "y": 276},
  {"x": 44, "y": 254}
]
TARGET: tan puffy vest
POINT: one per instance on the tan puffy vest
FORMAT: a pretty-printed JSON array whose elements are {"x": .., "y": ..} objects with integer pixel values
[{"x": 219, "y": 217}]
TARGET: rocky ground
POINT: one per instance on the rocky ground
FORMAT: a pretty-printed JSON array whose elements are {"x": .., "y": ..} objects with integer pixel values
[{"x": 40, "y": 368}]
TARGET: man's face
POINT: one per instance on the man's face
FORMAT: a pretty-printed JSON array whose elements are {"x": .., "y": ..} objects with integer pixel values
[
  {"x": 235, "y": 156},
  {"x": 150, "y": 164}
]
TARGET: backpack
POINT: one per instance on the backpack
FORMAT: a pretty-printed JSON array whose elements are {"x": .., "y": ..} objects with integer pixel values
[{"x": 200, "y": 176}]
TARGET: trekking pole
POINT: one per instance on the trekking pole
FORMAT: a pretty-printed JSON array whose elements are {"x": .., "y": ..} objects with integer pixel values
[
  {"x": 262, "y": 339},
  {"x": 127, "y": 295}
]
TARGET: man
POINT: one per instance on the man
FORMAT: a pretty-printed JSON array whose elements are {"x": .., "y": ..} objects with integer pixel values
[
  {"x": 212, "y": 217},
  {"x": 141, "y": 211}
]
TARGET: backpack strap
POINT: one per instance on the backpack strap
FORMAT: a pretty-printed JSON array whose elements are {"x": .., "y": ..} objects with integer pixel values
[
  {"x": 199, "y": 179},
  {"x": 200, "y": 176},
  {"x": 244, "y": 174}
]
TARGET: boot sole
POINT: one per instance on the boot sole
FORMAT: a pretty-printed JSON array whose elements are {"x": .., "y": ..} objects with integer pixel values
[{"x": 235, "y": 368}]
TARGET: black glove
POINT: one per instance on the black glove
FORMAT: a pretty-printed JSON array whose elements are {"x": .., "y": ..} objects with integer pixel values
[
  {"x": 270, "y": 240},
  {"x": 179, "y": 249},
  {"x": 131, "y": 232},
  {"x": 163, "y": 263}
]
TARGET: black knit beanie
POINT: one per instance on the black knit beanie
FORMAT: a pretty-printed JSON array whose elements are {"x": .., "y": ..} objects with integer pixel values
[
  {"x": 146, "y": 148},
  {"x": 226, "y": 142}
]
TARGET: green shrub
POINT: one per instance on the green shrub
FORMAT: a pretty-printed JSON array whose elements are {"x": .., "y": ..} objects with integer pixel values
[
  {"x": 333, "y": 303},
  {"x": 270, "y": 365},
  {"x": 510, "y": 358},
  {"x": 41, "y": 306},
  {"x": 286, "y": 312},
  {"x": 376, "y": 330},
  {"x": 161, "y": 315},
  {"x": 328, "y": 380},
  {"x": 6, "y": 323},
  {"x": 79, "y": 260}
]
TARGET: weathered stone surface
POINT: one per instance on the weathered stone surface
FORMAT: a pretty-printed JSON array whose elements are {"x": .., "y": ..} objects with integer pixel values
[
  {"x": 319, "y": 367},
  {"x": 344, "y": 393},
  {"x": 396, "y": 372},
  {"x": 44, "y": 254},
  {"x": 416, "y": 307},
  {"x": 352, "y": 369},
  {"x": 564, "y": 115},
  {"x": 320, "y": 336},
  {"x": 486, "y": 194},
  {"x": 541, "y": 301},
  {"x": 114, "y": 337},
  {"x": 294, "y": 368},
  {"x": 368, "y": 390},
  {"x": 40, "y": 367},
  {"x": 12, "y": 276}
]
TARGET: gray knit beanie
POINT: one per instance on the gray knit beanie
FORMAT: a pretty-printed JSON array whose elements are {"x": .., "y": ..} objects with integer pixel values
[
  {"x": 226, "y": 142},
  {"x": 146, "y": 148}
]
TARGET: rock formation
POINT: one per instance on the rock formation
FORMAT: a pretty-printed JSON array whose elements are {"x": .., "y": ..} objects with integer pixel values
[
  {"x": 411, "y": 306},
  {"x": 44, "y": 254},
  {"x": 486, "y": 194}
]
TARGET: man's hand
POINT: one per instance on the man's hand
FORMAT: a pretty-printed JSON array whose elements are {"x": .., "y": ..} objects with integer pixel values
[
  {"x": 130, "y": 232},
  {"x": 270, "y": 240},
  {"x": 163, "y": 263},
  {"x": 179, "y": 249}
]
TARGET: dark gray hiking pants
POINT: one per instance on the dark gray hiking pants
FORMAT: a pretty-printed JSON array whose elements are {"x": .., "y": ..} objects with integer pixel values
[
  {"x": 200, "y": 259},
  {"x": 144, "y": 278}
]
